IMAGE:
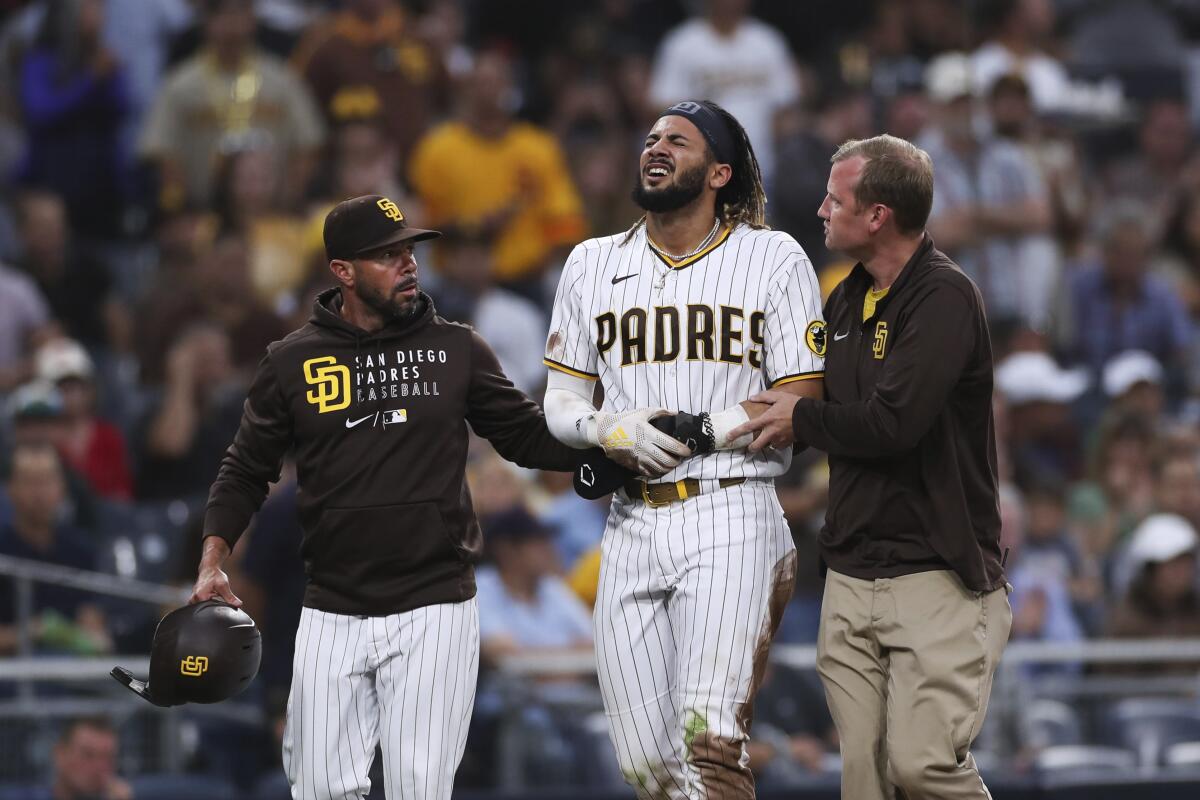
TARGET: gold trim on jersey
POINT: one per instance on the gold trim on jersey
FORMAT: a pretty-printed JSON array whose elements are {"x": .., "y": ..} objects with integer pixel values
[
  {"x": 803, "y": 376},
  {"x": 569, "y": 370},
  {"x": 692, "y": 259}
]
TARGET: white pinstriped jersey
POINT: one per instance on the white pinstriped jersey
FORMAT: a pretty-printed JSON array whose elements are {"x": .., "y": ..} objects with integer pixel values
[{"x": 695, "y": 335}]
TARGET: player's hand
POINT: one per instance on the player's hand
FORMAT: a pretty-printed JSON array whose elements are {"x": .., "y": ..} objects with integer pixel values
[
  {"x": 773, "y": 426},
  {"x": 630, "y": 440},
  {"x": 213, "y": 582}
]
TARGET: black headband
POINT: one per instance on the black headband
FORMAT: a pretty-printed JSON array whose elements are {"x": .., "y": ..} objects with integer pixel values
[{"x": 710, "y": 125}]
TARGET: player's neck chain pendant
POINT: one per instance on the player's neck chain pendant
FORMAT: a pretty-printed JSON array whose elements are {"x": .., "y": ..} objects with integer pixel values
[{"x": 707, "y": 241}]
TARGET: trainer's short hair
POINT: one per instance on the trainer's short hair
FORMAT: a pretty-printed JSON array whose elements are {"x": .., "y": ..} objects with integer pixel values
[{"x": 897, "y": 174}]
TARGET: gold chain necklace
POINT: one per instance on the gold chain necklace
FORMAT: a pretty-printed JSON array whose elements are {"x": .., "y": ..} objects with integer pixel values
[{"x": 707, "y": 241}]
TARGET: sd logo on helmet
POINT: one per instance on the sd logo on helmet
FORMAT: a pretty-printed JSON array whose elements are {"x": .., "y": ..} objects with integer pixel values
[{"x": 202, "y": 653}]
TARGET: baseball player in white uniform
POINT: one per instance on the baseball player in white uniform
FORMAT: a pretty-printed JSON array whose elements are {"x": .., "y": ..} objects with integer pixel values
[{"x": 693, "y": 310}]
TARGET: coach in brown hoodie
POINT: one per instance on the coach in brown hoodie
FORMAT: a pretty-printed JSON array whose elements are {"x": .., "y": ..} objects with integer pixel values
[
  {"x": 374, "y": 397},
  {"x": 915, "y": 613}
]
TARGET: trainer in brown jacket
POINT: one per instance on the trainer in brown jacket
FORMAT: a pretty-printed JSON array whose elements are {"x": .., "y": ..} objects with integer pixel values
[
  {"x": 373, "y": 397},
  {"x": 915, "y": 614}
]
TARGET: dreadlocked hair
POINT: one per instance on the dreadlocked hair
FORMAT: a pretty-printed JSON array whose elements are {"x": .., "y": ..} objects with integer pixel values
[{"x": 742, "y": 200}]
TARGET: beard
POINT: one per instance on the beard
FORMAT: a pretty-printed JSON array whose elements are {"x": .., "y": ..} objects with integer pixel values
[
  {"x": 686, "y": 187},
  {"x": 390, "y": 307}
]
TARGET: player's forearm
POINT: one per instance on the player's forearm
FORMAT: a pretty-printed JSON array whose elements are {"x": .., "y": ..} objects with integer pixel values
[
  {"x": 570, "y": 413},
  {"x": 216, "y": 551}
]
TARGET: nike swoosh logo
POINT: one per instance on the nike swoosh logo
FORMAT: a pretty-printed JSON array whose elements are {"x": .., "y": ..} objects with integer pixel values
[
  {"x": 351, "y": 423},
  {"x": 837, "y": 337},
  {"x": 623, "y": 278}
]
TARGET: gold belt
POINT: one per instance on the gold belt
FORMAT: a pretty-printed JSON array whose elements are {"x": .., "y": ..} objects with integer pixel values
[{"x": 661, "y": 494}]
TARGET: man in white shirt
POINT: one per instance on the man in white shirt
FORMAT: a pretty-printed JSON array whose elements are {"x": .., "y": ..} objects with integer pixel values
[{"x": 735, "y": 60}]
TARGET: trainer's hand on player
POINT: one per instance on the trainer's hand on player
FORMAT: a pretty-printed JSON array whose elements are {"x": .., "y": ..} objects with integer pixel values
[
  {"x": 630, "y": 440},
  {"x": 773, "y": 426}
]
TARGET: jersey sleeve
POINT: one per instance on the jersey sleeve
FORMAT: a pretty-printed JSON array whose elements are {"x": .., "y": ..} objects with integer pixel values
[
  {"x": 569, "y": 346},
  {"x": 794, "y": 346}
]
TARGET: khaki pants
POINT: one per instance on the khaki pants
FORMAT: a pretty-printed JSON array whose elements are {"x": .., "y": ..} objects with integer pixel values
[{"x": 907, "y": 665}]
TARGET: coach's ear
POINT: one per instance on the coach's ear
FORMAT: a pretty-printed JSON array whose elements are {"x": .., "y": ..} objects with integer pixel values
[
  {"x": 344, "y": 271},
  {"x": 719, "y": 175}
]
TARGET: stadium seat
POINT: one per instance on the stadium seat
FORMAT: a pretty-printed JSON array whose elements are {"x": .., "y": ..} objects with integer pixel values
[
  {"x": 180, "y": 787},
  {"x": 1150, "y": 725},
  {"x": 1050, "y": 723},
  {"x": 1185, "y": 754},
  {"x": 1083, "y": 759}
]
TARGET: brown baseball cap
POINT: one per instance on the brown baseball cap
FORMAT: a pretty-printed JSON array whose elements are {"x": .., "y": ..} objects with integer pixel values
[{"x": 367, "y": 223}]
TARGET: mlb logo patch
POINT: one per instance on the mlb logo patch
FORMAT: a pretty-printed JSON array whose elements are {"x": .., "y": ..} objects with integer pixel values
[{"x": 395, "y": 416}]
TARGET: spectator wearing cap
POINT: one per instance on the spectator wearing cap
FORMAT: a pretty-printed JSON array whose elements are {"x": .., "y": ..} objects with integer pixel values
[
  {"x": 525, "y": 608},
  {"x": 64, "y": 618},
  {"x": 1162, "y": 599},
  {"x": 1117, "y": 305},
  {"x": 1132, "y": 381},
  {"x": 1043, "y": 437},
  {"x": 229, "y": 96},
  {"x": 991, "y": 209},
  {"x": 92, "y": 446},
  {"x": 364, "y": 60},
  {"x": 502, "y": 177}
]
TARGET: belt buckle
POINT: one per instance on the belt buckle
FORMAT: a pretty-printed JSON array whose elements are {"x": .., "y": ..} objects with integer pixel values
[{"x": 646, "y": 497}]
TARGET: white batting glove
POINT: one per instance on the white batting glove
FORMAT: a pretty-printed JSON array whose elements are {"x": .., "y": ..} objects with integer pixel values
[{"x": 630, "y": 440}]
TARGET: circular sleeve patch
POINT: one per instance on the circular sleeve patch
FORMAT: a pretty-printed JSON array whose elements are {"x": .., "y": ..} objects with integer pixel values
[{"x": 814, "y": 337}]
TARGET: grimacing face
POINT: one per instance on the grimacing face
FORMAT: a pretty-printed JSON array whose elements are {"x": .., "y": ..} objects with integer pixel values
[{"x": 674, "y": 166}]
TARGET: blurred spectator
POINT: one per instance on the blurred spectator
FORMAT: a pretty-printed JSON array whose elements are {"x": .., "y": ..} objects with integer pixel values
[
  {"x": 37, "y": 416},
  {"x": 1119, "y": 491},
  {"x": 247, "y": 203},
  {"x": 525, "y": 608},
  {"x": 504, "y": 178},
  {"x": 1056, "y": 157},
  {"x": 1133, "y": 380},
  {"x": 1050, "y": 571},
  {"x": 794, "y": 736},
  {"x": 365, "y": 60},
  {"x": 228, "y": 97},
  {"x": 496, "y": 485},
  {"x": 1017, "y": 33},
  {"x": 187, "y": 429},
  {"x": 1179, "y": 261},
  {"x": 93, "y": 447},
  {"x": 578, "y": 523},
  {"x": 76, "y": 285},
  {"x": 511, "y": 324},
  {"x": 1162, "y": 599},
  {"x": 735, "y": 60},
  {"x": 24, "y": 321},
  {"x": 65, "y": 620},
  {"x": 1118, "y": 306},
  {"x": 216, "y": 290},
  {"x": 85, "y": 764},
  {"x": 74, "y": 100},
  {"x": 1043, "y": 440},
  {"x": 1163, "y": 166},
  {"x": 990, "y": 206},
  {"x": 141, "y": 32},
  {"x": 841, "y": 113},
  {"x": 1176, "y": 473}
]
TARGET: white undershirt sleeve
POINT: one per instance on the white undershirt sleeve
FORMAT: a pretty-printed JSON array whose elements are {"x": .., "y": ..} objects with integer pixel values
[{"x": 570, "y": 412}]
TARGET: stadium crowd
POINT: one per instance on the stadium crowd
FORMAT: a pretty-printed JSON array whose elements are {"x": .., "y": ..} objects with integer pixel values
[{"x": 166, "y": 165}]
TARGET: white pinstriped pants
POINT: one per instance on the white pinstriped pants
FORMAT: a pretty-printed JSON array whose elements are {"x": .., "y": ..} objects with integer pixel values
[
  {"x": 689, "y": 599},
  {"x": 405, "y": 681}
]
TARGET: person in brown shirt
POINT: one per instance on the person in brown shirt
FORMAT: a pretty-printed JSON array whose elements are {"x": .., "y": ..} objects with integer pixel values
[
  {"x": 915, "y": 613},
  {"x": 365, "y": 60}
]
